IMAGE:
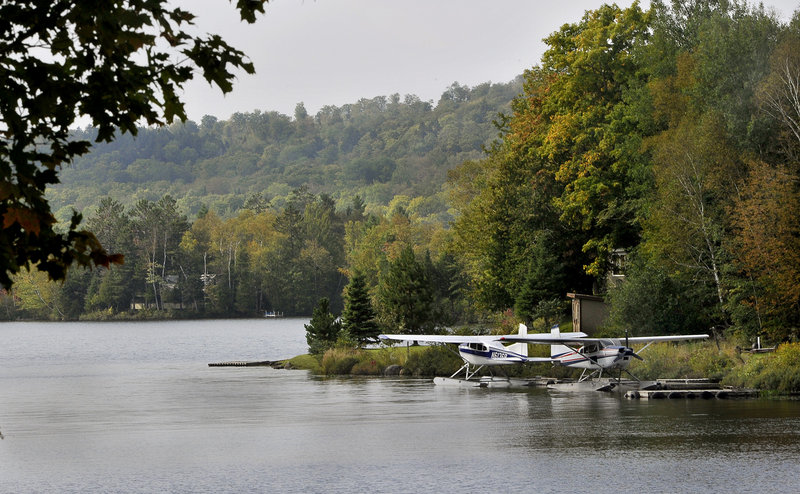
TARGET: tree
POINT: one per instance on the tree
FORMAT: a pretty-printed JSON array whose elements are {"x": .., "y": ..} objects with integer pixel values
[
  {"x": 158, "y": 229},
  {"x": 567, "y": 163},
  {"x": 113, "y": 288},
  {"x": 114, "y": 63},
  {"x": 710, "y": 66},
  {"x": 199, "y": 255},
  {"x": 779, "y": 92},
  {"x": 590, "y": 134},
  {"x": 358, "y": 317},
  {"x": 695, "y": 171},
  {"x": 650, "y": 302},
  {"x": 768, "y": 242},
  {"x": 406, "y": 295},
  {"x": 323, "y": 329},
  {"x": 543, "y": 282}
]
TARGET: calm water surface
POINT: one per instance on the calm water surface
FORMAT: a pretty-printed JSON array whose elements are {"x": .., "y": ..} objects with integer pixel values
[{"x": 133, "y": 407}]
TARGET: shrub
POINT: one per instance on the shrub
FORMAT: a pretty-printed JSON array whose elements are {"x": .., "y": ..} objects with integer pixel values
[
  {"x": 433, "y": 361},
  {"x": 663, "y": 361},
  {"x": 339, "y": 361},
  {"x": 706, "y": 361},
  {"x": 367, "y": 367},
  {"x": 746, "y": 375},
  {"x": 783, "y": 371},
  {"x": 779, "y": 371}
]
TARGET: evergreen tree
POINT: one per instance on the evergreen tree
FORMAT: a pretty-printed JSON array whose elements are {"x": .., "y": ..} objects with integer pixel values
[
  {"x": 406, "y": 295},
  {"x": 544, "y": 280},
  {"x": 323, "y": 329},
  {"x": 358, "y": 317}
]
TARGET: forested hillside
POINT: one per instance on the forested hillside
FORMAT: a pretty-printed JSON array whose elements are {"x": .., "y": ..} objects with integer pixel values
[
  {"x": 376, "y": 148},
  {"x": 659, "y": 146}
]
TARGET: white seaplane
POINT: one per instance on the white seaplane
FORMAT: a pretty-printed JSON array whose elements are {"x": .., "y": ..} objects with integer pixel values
[
  {"x": 482, "y": 351},
  {"x": 594, "y": 355},
  {"x": 574, "y": 349}
]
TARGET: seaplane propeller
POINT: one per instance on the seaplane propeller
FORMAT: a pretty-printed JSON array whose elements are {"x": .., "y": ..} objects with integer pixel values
[{"x": 627, "y": 351}]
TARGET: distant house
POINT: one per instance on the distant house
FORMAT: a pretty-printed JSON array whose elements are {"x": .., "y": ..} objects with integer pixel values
[
  {"x": 589, "y": 312},
  {"x": 618, "y": 261},
  {"x": 170, "y": 281}
]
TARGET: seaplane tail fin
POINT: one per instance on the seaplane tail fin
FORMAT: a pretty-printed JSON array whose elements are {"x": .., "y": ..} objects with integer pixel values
[
  {"x": 557, "y": 350},
  {"x": 520, "y": 348}
]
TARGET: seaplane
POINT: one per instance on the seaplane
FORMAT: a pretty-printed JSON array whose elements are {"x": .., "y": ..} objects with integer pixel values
[
  {"x": 574, "y": 349},
  {"x": 594, "y": 356},
  {"x": 482, "y": 351}
]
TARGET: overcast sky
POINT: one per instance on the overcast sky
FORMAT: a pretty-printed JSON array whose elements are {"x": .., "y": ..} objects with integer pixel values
[{"x": 334, "y": 52}]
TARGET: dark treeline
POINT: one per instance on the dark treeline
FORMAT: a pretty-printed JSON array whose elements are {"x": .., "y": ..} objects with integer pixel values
[
  {"x": 661, "y": 145},
  {"x": 261, "y": 260}
]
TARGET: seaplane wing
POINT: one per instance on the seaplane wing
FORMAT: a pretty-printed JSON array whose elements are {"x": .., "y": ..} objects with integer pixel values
[
  {"x": 459, "y": 339},
  {"x": 593, "y": 354},
  {"x": 654, "y": 339},
  {"x": 484, "y": 350},
  {"x": 571, "y": 339},
  {"x": 441, "y": 338}
]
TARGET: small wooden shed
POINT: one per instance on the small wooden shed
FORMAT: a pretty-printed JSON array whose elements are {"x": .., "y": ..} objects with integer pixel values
[{"x": 589, "y": 312}]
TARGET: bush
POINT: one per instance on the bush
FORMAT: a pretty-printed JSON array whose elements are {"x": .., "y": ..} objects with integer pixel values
[
  {"x": 663, "y": 361},
  {"x": 433, "y": 361},
  {"x": 779, "y": 371},
  {"x": 706, "y": 361},
  {"x": 746, "y": 375},
  {"x": 347, "y": 360},
  {"x": 367, "y": 367},
  {"x": 339, "y": 361}
]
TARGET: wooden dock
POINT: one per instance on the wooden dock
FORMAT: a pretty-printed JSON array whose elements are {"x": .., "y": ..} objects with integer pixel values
[
  {"x": 240, "y": 363},
  {"x": 688, "y": 389}
]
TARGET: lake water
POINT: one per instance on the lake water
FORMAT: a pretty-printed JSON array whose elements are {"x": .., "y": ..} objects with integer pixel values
[{"x": 134, "y": 407}]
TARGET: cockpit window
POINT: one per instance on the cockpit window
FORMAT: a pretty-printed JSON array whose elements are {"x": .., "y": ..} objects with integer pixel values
[{"x": 590, "y": 349}]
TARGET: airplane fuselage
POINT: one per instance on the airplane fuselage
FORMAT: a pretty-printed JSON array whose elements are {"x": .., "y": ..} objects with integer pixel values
[
  {"x": 489, "y": 354},
  {"x": 610, "y": 357}
]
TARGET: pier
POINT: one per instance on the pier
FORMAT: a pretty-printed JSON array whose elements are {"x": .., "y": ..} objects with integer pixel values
[{"x": 240, "y": 363}]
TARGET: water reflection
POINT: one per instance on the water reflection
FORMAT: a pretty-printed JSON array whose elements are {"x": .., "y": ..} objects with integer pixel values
[{"x": 157, "y": 418}]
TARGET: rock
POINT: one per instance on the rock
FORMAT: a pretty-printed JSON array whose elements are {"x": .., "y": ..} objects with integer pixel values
[{"x": 392, "y": 370}]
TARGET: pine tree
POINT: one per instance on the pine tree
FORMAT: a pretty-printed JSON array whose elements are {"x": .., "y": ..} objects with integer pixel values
[
  {"x": 543, "y": 282},
  {"x": 323, "y": 329},
  {"x": 358, "y": 317},
  {"x": 406, "y": 295}
]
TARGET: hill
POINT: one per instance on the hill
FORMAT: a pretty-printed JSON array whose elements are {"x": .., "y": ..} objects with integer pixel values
[{"x": 377, "y": 148}]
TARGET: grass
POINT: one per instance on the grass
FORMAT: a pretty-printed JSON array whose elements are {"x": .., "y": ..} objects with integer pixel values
[
  {"x": 305, "y": 362},
  {"x": 343, "y": 361}
]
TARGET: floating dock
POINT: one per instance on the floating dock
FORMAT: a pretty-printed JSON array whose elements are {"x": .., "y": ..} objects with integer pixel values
[
  {"x": 706, "y": 394},
  {"x": 688, "y": 389}
]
